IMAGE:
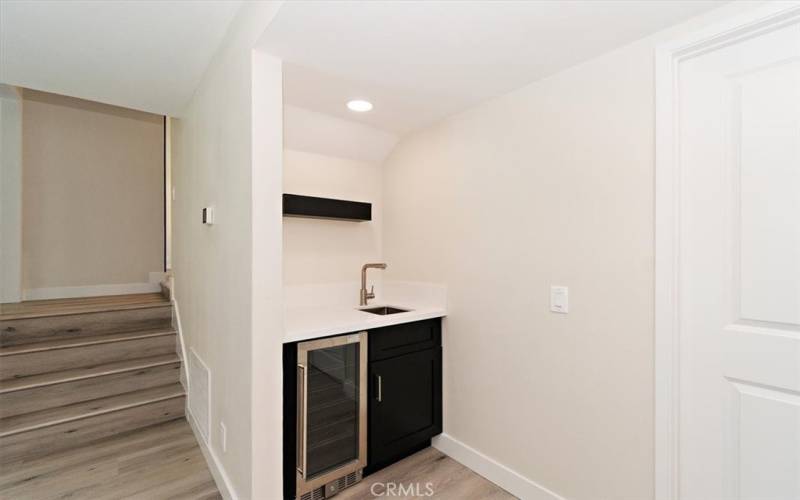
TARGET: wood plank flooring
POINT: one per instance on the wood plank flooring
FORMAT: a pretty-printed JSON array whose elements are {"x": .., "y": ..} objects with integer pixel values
[
  {"x": 447, "y": 479},
  {"x": 157, "y": 463},
  {"x": 38, "y": 308},
  {"x": 164, "y": 462}
]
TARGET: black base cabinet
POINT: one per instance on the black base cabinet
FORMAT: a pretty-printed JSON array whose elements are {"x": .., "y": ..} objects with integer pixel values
[
  {"x": 405, "y": 409},
  {"x": 405, "y": 388}
]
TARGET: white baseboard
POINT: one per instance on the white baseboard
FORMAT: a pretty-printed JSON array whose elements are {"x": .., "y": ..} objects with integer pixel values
[
  {"x": 217, "y": 471},
  {"x": 511, "y": 481},
  {"x": 69, "y": 292}
]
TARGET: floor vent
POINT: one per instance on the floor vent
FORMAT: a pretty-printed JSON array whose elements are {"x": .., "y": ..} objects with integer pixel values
[{"x": 199, "y": 393}]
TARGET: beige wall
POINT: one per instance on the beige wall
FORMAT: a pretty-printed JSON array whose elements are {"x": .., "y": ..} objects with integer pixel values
[
  {"x": 10, "y": 194},
  {"x": 347, "y": 245},
  {"x": 549, "y": 185},
  {"x": 93, "y": 180},
  {"x": 227, "y": 276}
]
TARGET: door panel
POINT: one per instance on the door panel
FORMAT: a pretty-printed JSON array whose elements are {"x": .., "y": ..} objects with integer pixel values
[
  {"x": 405, "y": 403},
  {"x": 768, "y": 200},
  {"x": 739, "y": 261},
  {"x": 766, "y": 444}
]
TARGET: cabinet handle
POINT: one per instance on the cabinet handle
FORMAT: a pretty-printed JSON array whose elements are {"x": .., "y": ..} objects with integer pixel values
[{"x": 380, "y": 389}]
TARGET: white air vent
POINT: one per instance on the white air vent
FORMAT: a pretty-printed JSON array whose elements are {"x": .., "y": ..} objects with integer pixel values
[{"x": 199, "y": 393}]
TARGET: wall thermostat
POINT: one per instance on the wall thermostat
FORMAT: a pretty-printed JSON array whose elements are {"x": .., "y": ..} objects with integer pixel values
[{"x": 208, "y": 215}]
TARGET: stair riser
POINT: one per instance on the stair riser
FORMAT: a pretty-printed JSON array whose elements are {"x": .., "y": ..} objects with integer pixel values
[
  {"x": 51, "y": 396},
  {"x": 22, "y": 331},
  {"x": 34, "y": 363},
  {"x": 58, "y": 437}
]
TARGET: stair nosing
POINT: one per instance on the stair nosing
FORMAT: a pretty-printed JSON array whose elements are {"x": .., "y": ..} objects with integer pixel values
[
  {"x": 78, "y": 342},
  {"x": 43, "y": 425},
  {"x": 173, "y": 359}
]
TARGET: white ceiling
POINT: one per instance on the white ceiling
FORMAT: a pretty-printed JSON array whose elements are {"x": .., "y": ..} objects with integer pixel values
[
  {"x": 147, "y": 54},
  {"x": 305, "y": 130},
  {"x": 419, "y": 61}
]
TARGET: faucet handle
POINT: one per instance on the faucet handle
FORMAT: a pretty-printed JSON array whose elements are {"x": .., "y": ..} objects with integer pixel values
[{"x": 371, "y": 293}]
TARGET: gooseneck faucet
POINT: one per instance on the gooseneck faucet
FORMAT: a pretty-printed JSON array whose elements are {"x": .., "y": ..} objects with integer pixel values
[{"x": 365, "y": 295}]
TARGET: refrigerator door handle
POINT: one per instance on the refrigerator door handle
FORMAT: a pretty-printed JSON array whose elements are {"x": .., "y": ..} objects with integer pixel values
[{"x": 302, "y": 422}]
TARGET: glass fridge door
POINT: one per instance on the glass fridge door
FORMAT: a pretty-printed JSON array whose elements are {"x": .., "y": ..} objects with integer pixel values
[{"x": 332, "y": 408}]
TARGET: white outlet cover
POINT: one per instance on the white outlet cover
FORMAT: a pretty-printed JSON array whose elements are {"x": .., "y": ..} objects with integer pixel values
[{"x": 559, "y": 299}]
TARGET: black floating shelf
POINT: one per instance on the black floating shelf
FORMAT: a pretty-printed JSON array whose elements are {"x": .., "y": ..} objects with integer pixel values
[{"x": 295, "y": 205}]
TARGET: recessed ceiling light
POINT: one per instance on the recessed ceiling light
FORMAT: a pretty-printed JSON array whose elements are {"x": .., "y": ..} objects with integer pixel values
[{"x": 359, "y": 105}]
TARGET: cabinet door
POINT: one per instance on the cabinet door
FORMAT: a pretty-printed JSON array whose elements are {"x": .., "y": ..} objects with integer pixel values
[{"x": 405, "y": 404}]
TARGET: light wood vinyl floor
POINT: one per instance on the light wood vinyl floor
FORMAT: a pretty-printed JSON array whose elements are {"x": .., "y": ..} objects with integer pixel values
[
  {"x": 157, "y": 463},
  {"x": 165, "y": 462},
  {"x": 426, "y": 474}
]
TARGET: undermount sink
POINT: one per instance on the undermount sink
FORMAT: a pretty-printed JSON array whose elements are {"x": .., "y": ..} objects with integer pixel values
[{"x": 384, "y": 310}]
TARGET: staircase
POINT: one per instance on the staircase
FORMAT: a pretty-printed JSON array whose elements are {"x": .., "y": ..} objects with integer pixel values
[{"x": 75, "y": 371}]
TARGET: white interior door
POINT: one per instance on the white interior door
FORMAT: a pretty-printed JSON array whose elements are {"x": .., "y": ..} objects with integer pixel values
[{"x": 739, "y": 269}]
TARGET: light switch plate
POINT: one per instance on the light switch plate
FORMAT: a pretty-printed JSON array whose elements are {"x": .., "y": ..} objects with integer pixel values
[
  {"x": 559, "y": 299},
  {"x": 208, "y": 215}
]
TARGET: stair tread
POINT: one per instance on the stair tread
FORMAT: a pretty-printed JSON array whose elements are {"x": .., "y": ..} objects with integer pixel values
[
  {"x": 85, "y": 409},
  {"x": 66, "y": 343},
  {"x": 58, "y": 377},
  {"x": 63, "y": 307}
]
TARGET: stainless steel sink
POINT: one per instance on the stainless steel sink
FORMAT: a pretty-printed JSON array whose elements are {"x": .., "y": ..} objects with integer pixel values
[{"x": 384, "y": 310}]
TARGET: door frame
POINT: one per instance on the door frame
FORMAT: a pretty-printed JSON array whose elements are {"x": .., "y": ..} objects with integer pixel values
[{"x": 668, "y": 219}]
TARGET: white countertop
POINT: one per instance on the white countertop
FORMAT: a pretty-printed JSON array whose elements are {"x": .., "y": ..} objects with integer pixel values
[
  {"x": 305, "y": 323},
  {"x": 320, "y": 310}
]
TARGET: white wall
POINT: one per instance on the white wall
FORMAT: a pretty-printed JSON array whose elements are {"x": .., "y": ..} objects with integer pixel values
[
  {"x": 330, "y": 251},
  {"x": 549, "y": 185},
  {"x": 267, "y": 286},
  {"x": 10, "y": 194},
  {"x": 225, "y": 149},
  {"x": 92, "y": 194}
]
